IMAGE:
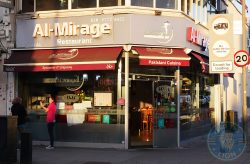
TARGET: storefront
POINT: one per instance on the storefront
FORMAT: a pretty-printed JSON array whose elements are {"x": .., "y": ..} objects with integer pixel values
[{"x": 117, "y": 85}]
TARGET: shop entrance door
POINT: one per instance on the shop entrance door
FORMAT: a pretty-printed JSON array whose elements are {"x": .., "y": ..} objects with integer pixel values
[
  {"x": 165, "y": 114},
  {"x": 140, "y": 113},
  {"x": 153, "y": 113}
]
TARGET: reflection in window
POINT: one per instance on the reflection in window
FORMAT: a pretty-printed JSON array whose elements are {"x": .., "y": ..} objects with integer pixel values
[
  {"x": 106, "y": 3},
  {"x": 43, "y": 5},
  {"x": 27, "y": 5},
  {"x": 144, "y": 3},
  {"x": 83, "y": 4},
  {"x": 168, "y": 4}
]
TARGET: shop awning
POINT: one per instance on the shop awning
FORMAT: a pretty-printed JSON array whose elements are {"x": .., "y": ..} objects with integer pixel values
[
  {"x": 162, "y": 56},
  {"x": 203, "y": 61},
  {"x": 62, "y": 59}
]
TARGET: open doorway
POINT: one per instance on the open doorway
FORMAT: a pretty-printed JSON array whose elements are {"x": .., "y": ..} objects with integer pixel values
[
  {"x": 153, "y": 112},
  {"x": 141, "y": 108}
]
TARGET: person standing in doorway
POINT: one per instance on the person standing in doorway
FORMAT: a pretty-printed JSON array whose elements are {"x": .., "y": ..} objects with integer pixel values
[
  {"x": 17, "y": 109},
  {"x": 50, "y": 119}
]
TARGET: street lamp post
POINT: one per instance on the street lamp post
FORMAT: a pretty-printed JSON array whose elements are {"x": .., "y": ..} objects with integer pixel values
[{"x": 244, "y": 84}]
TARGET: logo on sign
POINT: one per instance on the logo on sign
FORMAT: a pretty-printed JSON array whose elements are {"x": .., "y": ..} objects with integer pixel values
[
  {"x": 65, "y": 55},
  {"x": 226, "y": 143},
  {"x": 220, "y": 26},
  {"x": 165, "y": 35},
  {"x": 70, "y": 98},
  {"x": 164, "y": 90}
]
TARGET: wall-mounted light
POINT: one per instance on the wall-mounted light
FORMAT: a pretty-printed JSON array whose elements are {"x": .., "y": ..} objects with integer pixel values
[
  {"x": 35, "y": 16},
  {"x": 85, "y": 77},
  {"x": 134, "y": 52},
  {"x": 157, "y": 12},
  {"x": 99, "y": 12},
  {"x": 187, "y": 50},
  {"x": 97, "y": 77}
]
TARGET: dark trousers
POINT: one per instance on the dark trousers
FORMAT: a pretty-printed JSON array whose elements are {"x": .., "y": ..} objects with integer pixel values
[{"x": 51, "y": 132}]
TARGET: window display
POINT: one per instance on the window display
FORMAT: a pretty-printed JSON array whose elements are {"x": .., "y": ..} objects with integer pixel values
[
  {"x": 102, "y": 99},
  {"x": 81, "y": 97}
]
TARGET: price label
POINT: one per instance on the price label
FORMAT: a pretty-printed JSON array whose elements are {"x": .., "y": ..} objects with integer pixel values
[{"x": 241, "y": 58}]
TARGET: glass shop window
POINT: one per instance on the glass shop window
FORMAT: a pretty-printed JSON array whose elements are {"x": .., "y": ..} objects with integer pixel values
[
  {"x": 45, "y": 5},
  {"x": 90, "y": 95}
]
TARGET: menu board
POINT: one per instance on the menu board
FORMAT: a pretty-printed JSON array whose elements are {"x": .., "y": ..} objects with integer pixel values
[{"x": 103, "y": 99}]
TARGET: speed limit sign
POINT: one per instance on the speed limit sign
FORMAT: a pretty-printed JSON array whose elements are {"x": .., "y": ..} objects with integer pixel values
[{"x": 241, "y": 58}]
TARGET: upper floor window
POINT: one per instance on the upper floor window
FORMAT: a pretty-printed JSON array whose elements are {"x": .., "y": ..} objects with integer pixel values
[
  {"x": 44, "y": 5},
  {"x": 83, "y": 4},
  {"x": 167, "y": 4},
  {"x": 27, "y": 6},
  {"x": 93, "y": 3},
  {"x": 144, "y": 3},
  {"x": 107, "y": 3}
]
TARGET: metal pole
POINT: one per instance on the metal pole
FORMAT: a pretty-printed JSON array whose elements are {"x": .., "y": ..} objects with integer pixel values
[
  {"x": 178, "y": 105},
  {"x": 221, "y": 98},
  {"x": 244, "y": 83},
  {"x": 126, "y": 99}
]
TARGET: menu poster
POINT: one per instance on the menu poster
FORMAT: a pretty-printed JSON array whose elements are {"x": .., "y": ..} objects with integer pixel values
[{"x": 103, "y": 99}]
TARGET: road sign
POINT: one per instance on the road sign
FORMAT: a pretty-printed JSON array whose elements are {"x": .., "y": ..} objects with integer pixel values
[
  {"x": 221, "y": 44},
  {"x": 241, "y": 58}
]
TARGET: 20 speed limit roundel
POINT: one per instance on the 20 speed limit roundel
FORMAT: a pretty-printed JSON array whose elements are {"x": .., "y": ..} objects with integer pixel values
[{"x": 241, "y": 58}]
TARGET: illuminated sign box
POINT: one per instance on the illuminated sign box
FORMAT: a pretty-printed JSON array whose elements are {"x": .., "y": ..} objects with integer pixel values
[
  {"x": 106, "y": 119},
  {"x": 94, "y": 118}
]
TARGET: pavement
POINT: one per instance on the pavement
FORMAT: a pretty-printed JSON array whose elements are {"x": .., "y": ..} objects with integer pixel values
[{"x": 193, "y": 152}]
